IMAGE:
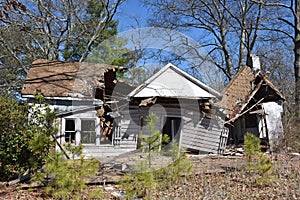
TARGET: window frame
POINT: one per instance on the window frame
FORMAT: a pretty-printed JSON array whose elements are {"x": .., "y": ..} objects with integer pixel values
[
  {"x": 70, "y": 132},
  {"x": 91, "y": 139}
]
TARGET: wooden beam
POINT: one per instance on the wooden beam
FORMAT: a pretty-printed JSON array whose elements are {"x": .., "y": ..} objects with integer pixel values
[
  {"x": 261, "y": 111},
  {"x": 239, "y": 115}
]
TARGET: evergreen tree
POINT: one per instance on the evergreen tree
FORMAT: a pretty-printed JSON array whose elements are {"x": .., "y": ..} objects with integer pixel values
[{"x": 74, "y": 50}]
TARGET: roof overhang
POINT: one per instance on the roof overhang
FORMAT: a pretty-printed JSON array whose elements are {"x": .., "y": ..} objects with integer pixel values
[
  {"x": 172, "y": 82},
  {"x": 29, "y": 96}
]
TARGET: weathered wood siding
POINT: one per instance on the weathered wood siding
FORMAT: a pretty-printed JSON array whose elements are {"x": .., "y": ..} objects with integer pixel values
[
  {"x": 129, "y": 123},
  {"x": 197, "y": 131},
  {"x": 131, "y": 120},
  {"x": 202, "y": 133}
]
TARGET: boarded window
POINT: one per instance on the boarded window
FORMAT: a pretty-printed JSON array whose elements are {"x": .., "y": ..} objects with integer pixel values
[
  {"x": 88, "y": 135},
  {"x": 70, "y": 130}
]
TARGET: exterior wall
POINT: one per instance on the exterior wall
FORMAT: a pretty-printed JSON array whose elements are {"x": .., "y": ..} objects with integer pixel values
[
  {"x": 274, "y": 124},
  {"x": 267, "y": 125},
  {"x": 196, "y": 132},
  {"x": 205, "y": 134},
  {"x": 131, "y": 120},
  {"x": 96, "y": 149}
]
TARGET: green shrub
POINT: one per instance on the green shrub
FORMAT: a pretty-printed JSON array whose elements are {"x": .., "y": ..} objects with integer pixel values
[
  {"x": 69, "y": 176},
  {"x": 42, "y": 128},
  {"x": 256, "y": 159},
  {"x": 180, "y": 167},
  {"x": 24, "y": 142},
  {"x": 14, "y": 138},
  {"x": 140, "y": 183},
  {"x": 145, "y": 180},
  {"x": 156, "y": 139},
  {"x": 252, "y": 145}
]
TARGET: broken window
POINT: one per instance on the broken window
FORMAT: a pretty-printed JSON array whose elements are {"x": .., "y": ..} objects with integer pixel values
[
  {"x": 106, "y": 132},
  {"x": 70, "y": 130},
  {"x": 88, "y": 134}
]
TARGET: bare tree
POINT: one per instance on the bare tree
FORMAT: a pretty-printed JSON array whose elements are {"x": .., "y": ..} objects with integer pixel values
[
  {"x": 53, "y": 24},
  {"x": 287, "y": 24},
  {"x": 296, "y": 27},
  {"x": 53, "y": 29},
  {"x": 6, "y": 5},
  {"x": 275, "y": 62},
  {"x": 228, "y": 29}
]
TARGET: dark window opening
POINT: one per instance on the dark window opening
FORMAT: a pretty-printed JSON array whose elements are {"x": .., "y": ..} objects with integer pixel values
[
  {"x": 251, "y": 125},
  {"x": 99, "y": 93},
  {"x": 70, "y": 130},
  {"x": 251, "y": 121}
]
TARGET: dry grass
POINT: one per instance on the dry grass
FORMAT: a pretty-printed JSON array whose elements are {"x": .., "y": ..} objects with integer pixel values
[
  {"x": 282, "y": 183},
  {"x": 214, "y": 178}
]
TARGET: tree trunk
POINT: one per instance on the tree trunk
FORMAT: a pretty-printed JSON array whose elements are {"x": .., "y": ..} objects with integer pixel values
[
  {"x": 242, "y": 49},
  {"x": 297, "y": 59},
  {"x": 242, "y": 52},
  {"x": 297, "y": 75}
]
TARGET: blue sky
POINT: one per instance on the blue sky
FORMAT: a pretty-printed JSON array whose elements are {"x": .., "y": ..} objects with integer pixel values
[
  {"x": 135, "y": 9},
  {"x": 128, "y": 11}
]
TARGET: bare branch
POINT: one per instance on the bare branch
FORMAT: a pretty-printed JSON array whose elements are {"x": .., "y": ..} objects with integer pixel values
[
  {"x": 110, "y": 12},
  {"x": 287, "y": 22}
]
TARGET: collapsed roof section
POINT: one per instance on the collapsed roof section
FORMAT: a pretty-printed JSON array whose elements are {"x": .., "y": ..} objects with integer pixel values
[
  {"x": 65, "y": 79},
  {"x": 246, "y": 86}
]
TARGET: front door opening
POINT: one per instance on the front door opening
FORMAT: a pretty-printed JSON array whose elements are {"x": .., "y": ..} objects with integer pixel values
[{"x": 172, "y": 127}]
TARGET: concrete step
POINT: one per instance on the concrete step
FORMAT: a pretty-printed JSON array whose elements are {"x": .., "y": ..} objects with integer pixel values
[{"x": 107, "y": 150}]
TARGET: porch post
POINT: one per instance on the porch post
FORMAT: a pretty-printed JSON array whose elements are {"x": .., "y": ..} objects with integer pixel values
[
  {"x": 78, "y": 130},
  {"x": 62, "y": 128},
  {"x": 60, "y": 137},
  {"x": 97, "y": 130},
  {"x": 139, "y": 142},
  {"x": 77, "y": 137}
]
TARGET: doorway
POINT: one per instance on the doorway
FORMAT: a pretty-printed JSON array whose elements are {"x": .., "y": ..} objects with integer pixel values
[{"x": 172, "y": 127}]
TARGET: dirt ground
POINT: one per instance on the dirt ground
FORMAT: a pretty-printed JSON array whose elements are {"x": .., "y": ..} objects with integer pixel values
[{"x": 214, "y": 177}]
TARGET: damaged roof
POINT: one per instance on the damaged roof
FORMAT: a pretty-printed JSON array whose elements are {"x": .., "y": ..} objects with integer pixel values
[
  {"x": 246, "y": 84},
  {"x": 64, "y": 79},
  {"x": 171, "y": 81}
]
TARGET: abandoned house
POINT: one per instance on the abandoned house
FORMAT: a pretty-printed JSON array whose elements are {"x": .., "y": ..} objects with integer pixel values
[
  {"x": 81, "y": 94},
  {"x": 95, "y": 110},
  {"x": 252, "y": 104},
  {"x": 183, "y": 106}
]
